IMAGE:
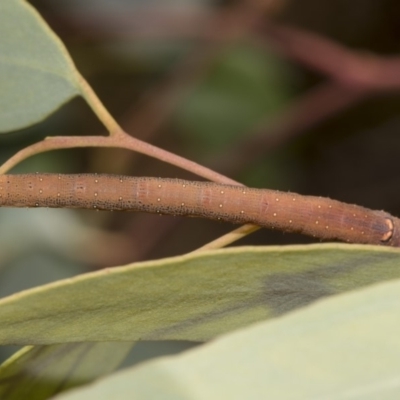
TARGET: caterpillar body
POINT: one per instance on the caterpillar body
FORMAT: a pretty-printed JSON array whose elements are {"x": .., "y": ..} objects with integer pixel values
[{"x": 315, "y": 216}]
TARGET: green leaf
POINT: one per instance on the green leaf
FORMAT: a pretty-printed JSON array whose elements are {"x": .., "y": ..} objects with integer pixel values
[
  {"x": 40, "y": 372},
  {"x": 192, "y": 297},
  {"x": 343, "y": 348},
  {"x": 37, "y": 75}
]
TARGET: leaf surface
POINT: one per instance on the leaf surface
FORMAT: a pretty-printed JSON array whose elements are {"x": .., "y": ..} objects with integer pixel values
[
  {"x": 37, "y": 75},
  {"x": 193, "y": 297}
]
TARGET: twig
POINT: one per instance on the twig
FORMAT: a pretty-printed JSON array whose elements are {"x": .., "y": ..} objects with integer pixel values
[
  {"x": 348, "y": 67},
  {"x": 121, "y": 140}
]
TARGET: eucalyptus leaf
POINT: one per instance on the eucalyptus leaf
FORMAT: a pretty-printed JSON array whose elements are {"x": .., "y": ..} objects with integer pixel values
[
  {"x": 37, "y": 75},
  {"x": 193, "y": 297},
  {"x": 346, "y": 347},
  {"x": 39, "y": 372}
]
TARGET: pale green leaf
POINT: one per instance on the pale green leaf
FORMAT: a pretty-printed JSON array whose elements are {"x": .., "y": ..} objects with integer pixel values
[
  {"x": 37, "y": 75},
  {"x": 192, "y": 297},
  {"x": 346, "y": 347},
  {"x": 39, "y": 372}
]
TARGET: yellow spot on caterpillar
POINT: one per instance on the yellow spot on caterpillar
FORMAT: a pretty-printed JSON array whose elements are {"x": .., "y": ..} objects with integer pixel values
[
  {"x": 58, "y": 194},
  {"x": 327, "y": 227},
  {"x": 354, "y": 215},
  {"x": 40, "y": 191},
  {"x": 120, "y": 198},
  {"x": 316, "y": 222},
  {"x": 319, "y": 206},
  {"x": 330, "y": 206},
  {"x": 96, "y": 181},
  {"x": 352, "y": 229},
  {"x": 274, "y": 214},
  {"x": 220, "y": 206},
  {"x": 121, "y": 180},
  {"x": 59, "y": 176},
  {"x": 362, "y": 233},
  {"x": 95, "y": 194},
  {"x": 294, "y": 199},
  {"x": 94, "y": 206},
  {"x": 182, "y": 204},
  {"x": 276, "y": 199},
  {"x": 242, "y": 212},
  {"x": 41, "y": 179},
  {"x": 158, "y": 199},
  {"x": 159, "y": 186},
  {"x": 290, "y": 221},
  {"x": 37, "y": 204},
  {"x": 222, "y": 192}
]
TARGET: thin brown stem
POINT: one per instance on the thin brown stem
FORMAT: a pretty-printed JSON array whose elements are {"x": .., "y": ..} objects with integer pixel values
[{"x": 121, "y": 140}]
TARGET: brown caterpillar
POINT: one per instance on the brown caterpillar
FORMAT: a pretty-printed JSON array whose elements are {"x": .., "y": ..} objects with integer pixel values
[{"x": 315, "y": 216}]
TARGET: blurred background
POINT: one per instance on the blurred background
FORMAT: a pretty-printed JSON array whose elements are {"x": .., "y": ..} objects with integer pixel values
[{"x": 281, "y": 94}]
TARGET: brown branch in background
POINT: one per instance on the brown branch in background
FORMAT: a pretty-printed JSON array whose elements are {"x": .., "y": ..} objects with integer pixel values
[{"x": 348, "y": 67}]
